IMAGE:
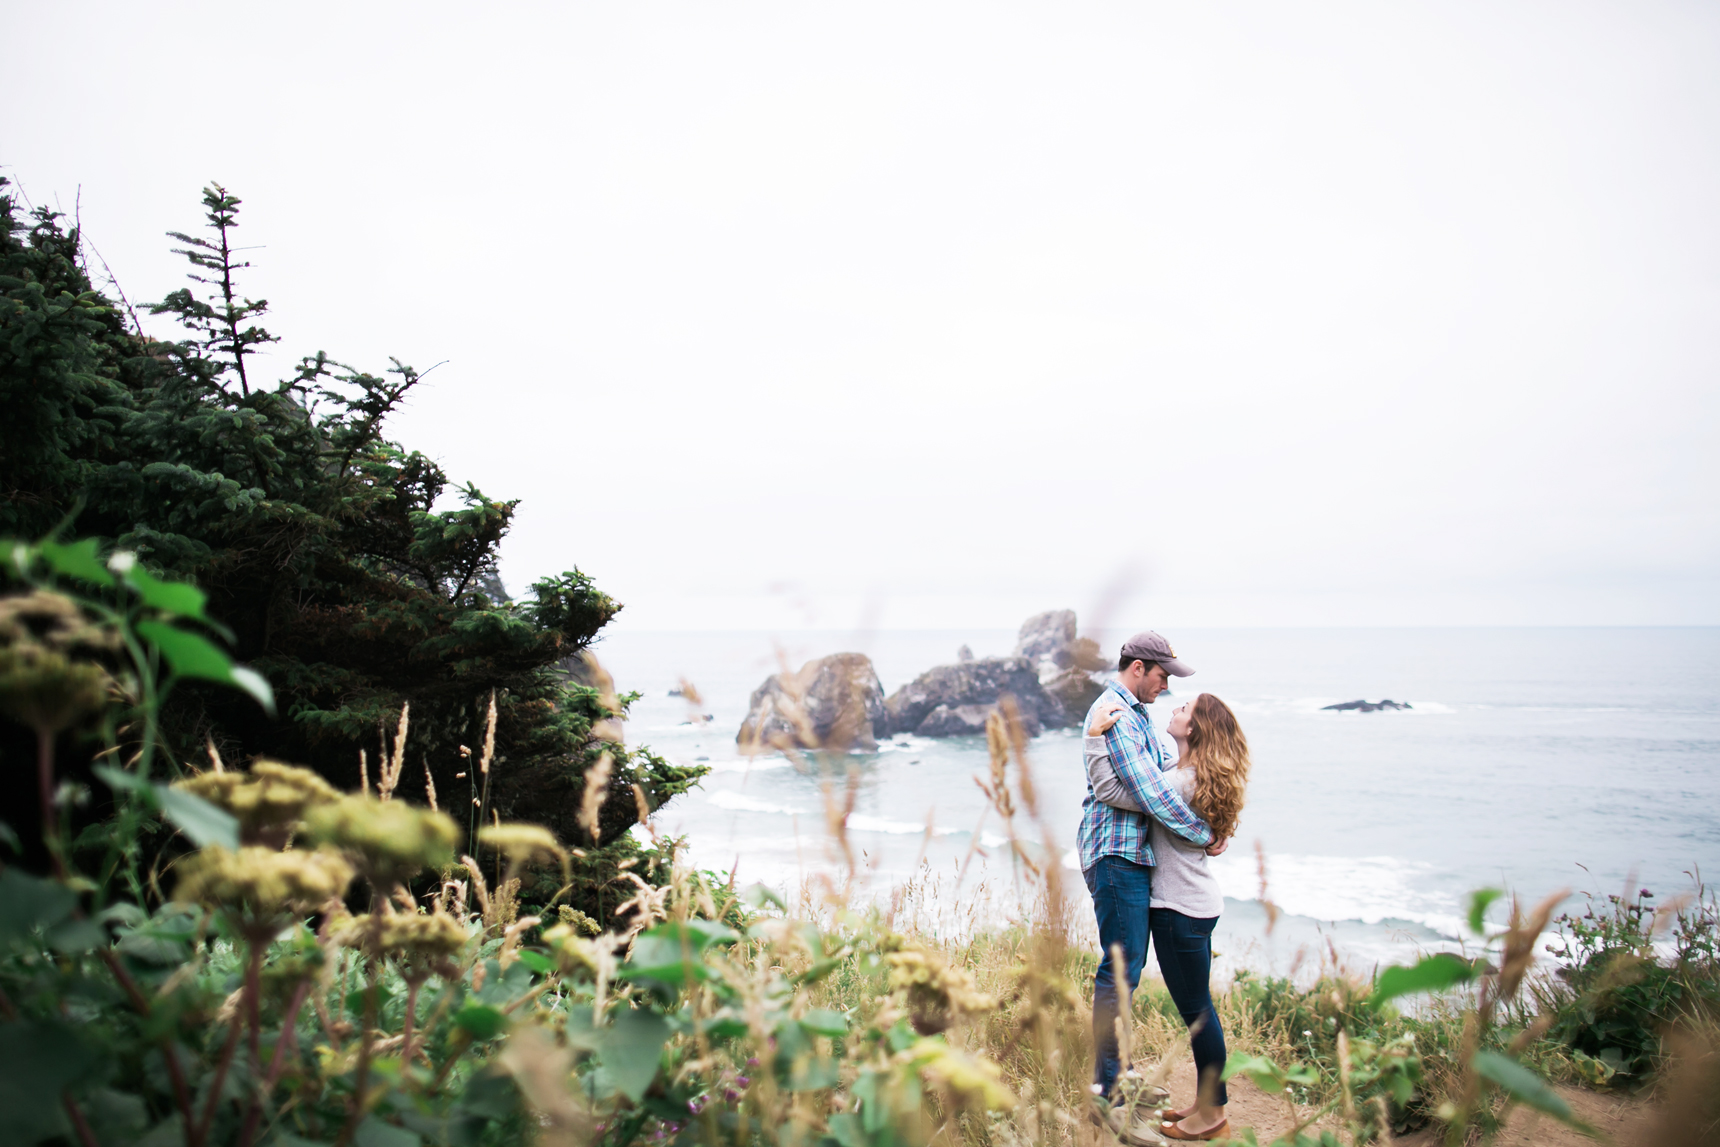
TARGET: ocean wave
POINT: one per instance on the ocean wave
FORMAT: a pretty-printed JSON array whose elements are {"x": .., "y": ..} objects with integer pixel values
[
  {"x": 738, "y": 802},
  {"x": 1365, "y": 889},
  {"x": 746, "y": 764}
]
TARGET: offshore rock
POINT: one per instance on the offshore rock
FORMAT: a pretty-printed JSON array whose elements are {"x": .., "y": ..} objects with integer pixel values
[
  {"x": 835, "y": 702},
  {"x": 968, "y": 720},
  {"x": 1366, "y": 706},
  {"x": 1045, "y": 639},
  {"x": 979, "y": 683},
  {"x": 1075, "y": 689}
]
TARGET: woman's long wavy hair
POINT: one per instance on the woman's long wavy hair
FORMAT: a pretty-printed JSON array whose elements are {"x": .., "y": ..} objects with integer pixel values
[{"x": 1218, "y": 753}]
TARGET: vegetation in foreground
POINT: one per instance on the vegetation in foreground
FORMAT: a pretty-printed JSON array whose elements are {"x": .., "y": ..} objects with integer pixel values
[{"x": 277, "y": 981}]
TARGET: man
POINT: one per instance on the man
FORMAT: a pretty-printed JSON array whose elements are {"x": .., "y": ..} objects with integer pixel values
[{"x": 1116, "y": 858}]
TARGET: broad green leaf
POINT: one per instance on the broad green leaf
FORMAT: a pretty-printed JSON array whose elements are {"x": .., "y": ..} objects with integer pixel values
[
  {"x": 1525, "y": 1086},
  {"x": 845, "y": 1129},
  {"x": 1478, "y": 902},
  {"x": 191, "y": 655},
  {"x": 203, "y": 823},
  {"x": 823, "y": 1021},
  {"x": 1265, "y": 1072},
  {"x": 38, "y": 1061},
  {"x": 178, "y": 597},
  {"x": 28, "y": 903},
  {"x": 1431, "y": 974},
  {"x": 70, "y": 937},
  {"x": 670, "y": 952},
  {"x": 188, "y": 654},
  {"x": 10, "y": 839},
  {"x": 481, "y": 1021},
  {"x": 77, "y": 559},
  {"x": 537, "y": 962},
  {"x": 758, "y": 895},
  {"x": 373, "y": 1132},
  {"x": 631, "y": 1049}
]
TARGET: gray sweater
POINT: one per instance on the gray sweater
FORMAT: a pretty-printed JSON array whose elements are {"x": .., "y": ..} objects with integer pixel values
[{"x": 1182, "y": 881}]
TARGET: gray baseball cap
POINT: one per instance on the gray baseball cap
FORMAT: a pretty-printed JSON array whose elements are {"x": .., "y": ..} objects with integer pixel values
[{"x": 1149, "y": 646}]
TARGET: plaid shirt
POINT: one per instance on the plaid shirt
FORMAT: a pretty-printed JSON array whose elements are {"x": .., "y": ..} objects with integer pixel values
[{"x": 1139, "y": 760}]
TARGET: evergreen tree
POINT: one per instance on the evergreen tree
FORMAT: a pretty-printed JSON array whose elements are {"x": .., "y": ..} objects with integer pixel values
[{"x": 315, "y": 536}]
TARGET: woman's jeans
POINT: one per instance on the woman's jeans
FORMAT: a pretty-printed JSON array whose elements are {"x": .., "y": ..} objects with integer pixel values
[
  {"x": 1122, "y": 893},
  {"x": 1184, "y": 945}
]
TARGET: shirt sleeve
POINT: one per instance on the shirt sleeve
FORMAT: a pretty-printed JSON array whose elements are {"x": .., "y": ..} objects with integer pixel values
[
  {"x": 1102, "y": 778},
  {"x": 1141, "y": 776}
]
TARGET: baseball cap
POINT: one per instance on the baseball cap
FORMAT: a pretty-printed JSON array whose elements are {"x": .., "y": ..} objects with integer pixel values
[{"x": 1149, "y": 646}]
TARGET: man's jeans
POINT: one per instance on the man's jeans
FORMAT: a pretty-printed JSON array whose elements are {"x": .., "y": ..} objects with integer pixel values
[{"x": 1122, "y": 894}]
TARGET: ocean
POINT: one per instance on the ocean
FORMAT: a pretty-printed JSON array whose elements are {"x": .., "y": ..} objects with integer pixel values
[{"x": 1531, "y": 759}]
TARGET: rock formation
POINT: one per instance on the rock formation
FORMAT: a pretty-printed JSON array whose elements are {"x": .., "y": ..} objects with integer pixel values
[
  {"x": 1072, "y": 669},
  {"x": 835, "y": 702},
  {"x": 961, "y": 695},
  {"x": 1367, "y": 706}
]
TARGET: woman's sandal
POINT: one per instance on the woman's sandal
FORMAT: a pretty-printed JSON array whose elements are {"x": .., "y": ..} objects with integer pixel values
[{"x": 1171, "y": 1131}]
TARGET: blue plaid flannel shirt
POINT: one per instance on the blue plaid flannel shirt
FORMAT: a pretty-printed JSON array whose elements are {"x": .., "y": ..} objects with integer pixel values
[{"x": 1139, "y": 759}]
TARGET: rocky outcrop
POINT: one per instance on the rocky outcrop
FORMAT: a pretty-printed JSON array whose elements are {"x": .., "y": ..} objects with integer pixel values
[
  {"x": 1071, "y": 669},
  {"x": 1075, "y": 689},
  {"x": 969, "y": 720},
  {"x": 1367, "y": 706},
  {"x": 958, "y": 690},
  {"x": 835, "y": 702}
]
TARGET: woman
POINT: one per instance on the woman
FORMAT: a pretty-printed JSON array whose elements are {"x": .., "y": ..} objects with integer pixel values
[{"x": 1211, "y": 774}]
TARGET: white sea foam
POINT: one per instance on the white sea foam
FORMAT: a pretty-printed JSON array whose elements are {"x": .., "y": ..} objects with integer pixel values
[
  {"x": 746, "y": 764},
  {"x": 738, "y": 802},
  {"x": 1368, "y": 889}
]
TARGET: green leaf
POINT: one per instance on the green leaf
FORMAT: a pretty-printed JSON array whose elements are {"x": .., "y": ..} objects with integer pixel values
[
  {"x": 537, "y": 961},
  {"x": 1263, "y": 1070},
  {"x": 670, "y": 952},
  {"x": 77, "y": 559},
  {"x": 10, "y": 839},
  {"x": 481, "y": 1021},
  {"x": 38, "y": 1061},
  {"x": 203, "y": 823},
  {"x": 191, "y": 655},
  {"x": 758, "y": 895},
  {"x": 178, "y": 597},
  {"x": 823, "y": 1021},
  {"x": 1525, "y": 1086},
  {"x": 121, "y": 781},
  {"x": 70, "y": 937},
  {"x": 1431, "y": 974},
  {"x": 1478, "y": 902},
  {"x": 188, "y": 654},
  {"x": 373, "y": 1132},
  {"x": 631, "y": 1049},
  {"x": 28, "y": 903}
]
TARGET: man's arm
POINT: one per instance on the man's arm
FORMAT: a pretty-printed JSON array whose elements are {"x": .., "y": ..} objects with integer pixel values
[{"x": 1140, "y": 775}]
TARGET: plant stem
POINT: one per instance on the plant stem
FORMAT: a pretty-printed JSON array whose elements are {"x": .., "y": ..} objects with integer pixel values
[
  {"x": 412, "y": 987},
  {"x": 45, "y": 785},
  {"x": 181, "y": 1093},
  {"x": 277, "y": 1061},
  {"x": 80, "y": 1125},
  {"x": 232, "y": 1045}
]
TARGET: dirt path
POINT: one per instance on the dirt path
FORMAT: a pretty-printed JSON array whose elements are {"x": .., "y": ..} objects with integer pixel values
[{"x": 1621, "y": 1119}]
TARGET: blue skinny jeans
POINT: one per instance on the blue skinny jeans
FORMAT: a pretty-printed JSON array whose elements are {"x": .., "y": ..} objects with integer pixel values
[
  {"x": 1122, "y": 896},
  {"x": 1184, "y": 947}
]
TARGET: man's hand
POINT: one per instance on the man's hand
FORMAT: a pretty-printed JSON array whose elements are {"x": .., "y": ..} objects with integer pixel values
[
  {"x": 1106, "y": 717},
  {"x": 1217, "y": 847}
]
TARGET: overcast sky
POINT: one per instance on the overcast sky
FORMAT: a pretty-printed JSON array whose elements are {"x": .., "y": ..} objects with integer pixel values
[{"x": 934, "y": 315}]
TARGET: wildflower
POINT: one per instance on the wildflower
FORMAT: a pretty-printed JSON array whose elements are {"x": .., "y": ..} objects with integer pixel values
[
  {"x": 260, "y": 884},
  {"x": 269, "y": 802},
  {"x": 523, "y": 844},
  {"x": 47, "y": 680},
  {"x": 970, "y": 1077},
  {"x": 934, "y": 992},
  {"x": 389, "y": 840}
]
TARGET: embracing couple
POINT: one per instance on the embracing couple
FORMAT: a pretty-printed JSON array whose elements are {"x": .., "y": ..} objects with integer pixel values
[{"x": 1148, "y": 826}]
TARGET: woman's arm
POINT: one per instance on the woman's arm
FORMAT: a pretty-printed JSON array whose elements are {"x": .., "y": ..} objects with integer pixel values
[{"x": 1102, "y": 778}]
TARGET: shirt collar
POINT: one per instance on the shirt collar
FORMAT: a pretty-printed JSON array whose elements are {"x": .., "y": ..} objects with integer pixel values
[{"x": 1133, "y": 701}]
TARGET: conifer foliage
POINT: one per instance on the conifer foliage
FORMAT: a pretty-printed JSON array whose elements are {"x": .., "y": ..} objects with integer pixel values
[{"x": 316, "y": 537}]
